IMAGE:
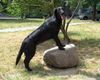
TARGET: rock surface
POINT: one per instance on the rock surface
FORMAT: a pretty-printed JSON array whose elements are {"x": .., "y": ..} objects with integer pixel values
[{"x": 61, "y": 58}]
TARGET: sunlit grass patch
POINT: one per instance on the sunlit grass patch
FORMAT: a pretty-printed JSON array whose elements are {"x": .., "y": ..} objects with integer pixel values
[
  {"x": 20, "y": 23},
  {"x": 16, "y": 23}
]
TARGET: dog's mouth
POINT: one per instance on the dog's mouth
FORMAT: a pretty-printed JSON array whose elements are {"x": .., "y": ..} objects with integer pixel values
[{"x": 63, "y": 17}]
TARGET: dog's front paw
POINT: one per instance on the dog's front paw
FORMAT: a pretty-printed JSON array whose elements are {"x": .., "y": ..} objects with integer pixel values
[
  {"x": 68, "y": 42},
  {"x": 61, "y": 48},
  {"x": 62, "y": 45}
]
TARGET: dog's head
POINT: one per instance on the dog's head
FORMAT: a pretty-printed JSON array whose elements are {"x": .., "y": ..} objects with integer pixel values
[{"x": 62, "y": 13}]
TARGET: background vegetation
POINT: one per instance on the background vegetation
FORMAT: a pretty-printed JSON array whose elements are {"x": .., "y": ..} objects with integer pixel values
[{"x": 40, "y": 8}]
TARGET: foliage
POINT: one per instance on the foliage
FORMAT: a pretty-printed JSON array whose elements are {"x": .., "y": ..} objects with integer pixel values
[
  {"x": 73, "y": 3},
  {"x": 4, "y": 4},
  {"x": 14, "y": 9},
  {"x": 93, "y": 3},
  {"x": 86, "y": 4},
  {"x": 26, "y": 8},
  {"x": 1, "y": 8},
  {"x": 98, "y": 7},
  {"x": 42, "y": 7},
  {"x": 39, "y": 8}
]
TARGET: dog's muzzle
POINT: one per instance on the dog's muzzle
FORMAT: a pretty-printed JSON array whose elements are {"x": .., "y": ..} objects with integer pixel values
[{"x": 63, "y": 17}]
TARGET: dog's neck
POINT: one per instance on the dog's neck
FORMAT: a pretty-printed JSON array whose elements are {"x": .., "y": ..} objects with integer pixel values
[{"x": 58, "y": 19}]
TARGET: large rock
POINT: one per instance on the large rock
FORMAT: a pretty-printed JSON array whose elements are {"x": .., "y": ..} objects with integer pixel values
[{"x": 61, "y": 58}]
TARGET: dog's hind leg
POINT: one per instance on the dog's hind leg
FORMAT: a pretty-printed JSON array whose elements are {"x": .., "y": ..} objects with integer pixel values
[{"x": 28, "y": 56}]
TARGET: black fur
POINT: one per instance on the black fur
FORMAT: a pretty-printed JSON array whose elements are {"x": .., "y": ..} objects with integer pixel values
[{"x": 48, "y": 30}]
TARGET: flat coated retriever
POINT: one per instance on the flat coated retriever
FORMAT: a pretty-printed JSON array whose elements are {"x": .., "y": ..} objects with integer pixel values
[{"x": 48, "y": 30}]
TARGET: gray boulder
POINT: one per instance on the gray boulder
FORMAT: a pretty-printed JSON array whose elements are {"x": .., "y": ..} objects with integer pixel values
[{"x": 61, "y": 58}]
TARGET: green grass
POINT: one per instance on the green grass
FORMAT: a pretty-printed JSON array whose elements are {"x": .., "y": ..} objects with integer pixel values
[
  {"x": 85, "y": 36},
  {"x": 13, "y": 23}
]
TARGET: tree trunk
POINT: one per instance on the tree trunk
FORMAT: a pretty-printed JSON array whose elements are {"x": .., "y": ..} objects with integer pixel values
[
  {"x": 23, "y": 16},
  {"x": 94, "y": 11},
  {"x": 64, "y": 32}
]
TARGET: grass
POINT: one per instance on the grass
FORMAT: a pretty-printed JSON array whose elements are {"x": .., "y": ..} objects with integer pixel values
[
  {"x": 85, "y": 36},
  {"x": 13, "y": 23}
]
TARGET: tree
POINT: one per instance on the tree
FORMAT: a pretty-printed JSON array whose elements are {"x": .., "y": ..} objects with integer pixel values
[
  {"x": 14, "y": 9},
  {"x": 26, "y": 7},
  {"x": 63, "y": 27},
  {"x": 93, "y": 4},
  {"x": 49, "y": 5},
  {"x": 4, "y": 4},
  {"x": 86, "y": 4},
  {"x": 94, "y": 9}
]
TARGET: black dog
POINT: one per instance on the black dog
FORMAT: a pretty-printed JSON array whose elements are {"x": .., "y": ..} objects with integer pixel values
[{"x": 48, "y": 30}]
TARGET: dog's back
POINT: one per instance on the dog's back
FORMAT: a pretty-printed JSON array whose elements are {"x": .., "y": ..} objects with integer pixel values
[{"x": 46, "y": 31}]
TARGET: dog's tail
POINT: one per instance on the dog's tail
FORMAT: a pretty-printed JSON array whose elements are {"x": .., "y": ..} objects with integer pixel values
[{"x": 20, "y": 53}]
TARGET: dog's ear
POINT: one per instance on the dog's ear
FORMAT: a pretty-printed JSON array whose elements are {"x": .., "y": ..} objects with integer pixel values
[{"x": 55, "y": 11}]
